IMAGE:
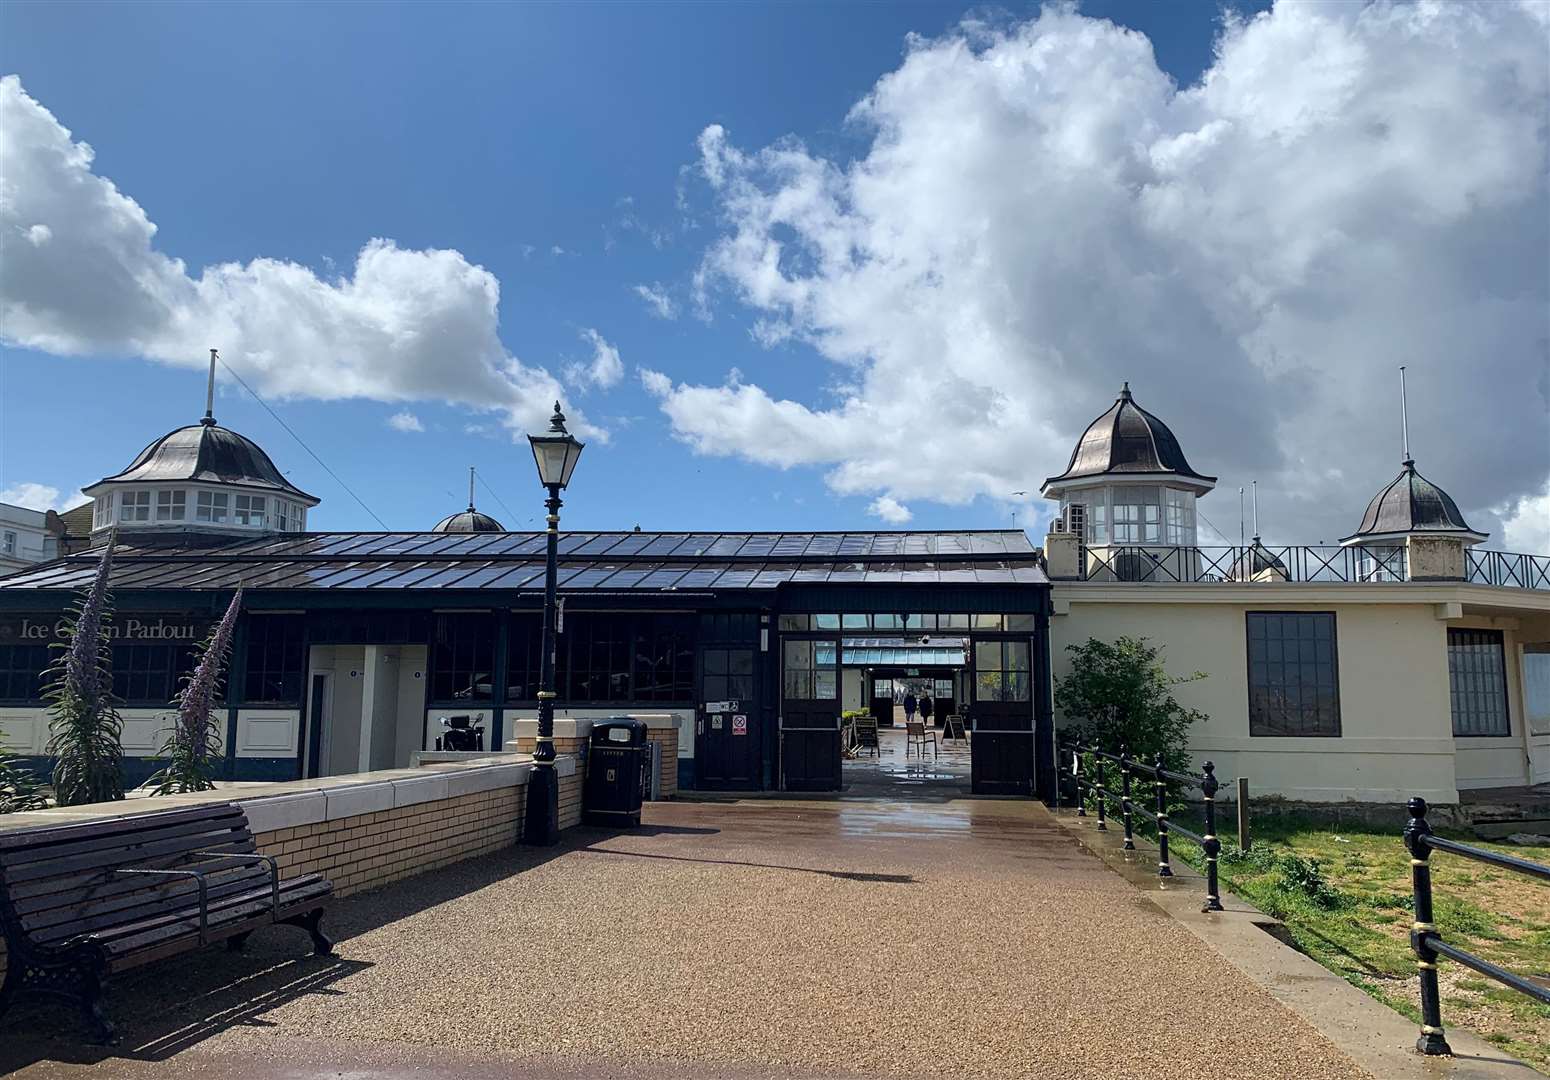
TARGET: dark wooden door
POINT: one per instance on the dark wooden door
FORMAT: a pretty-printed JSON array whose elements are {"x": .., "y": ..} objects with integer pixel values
[
  {"x": 810, "y": 714},
  {"x": 1002, "y": 753},
  {"x": 726, "y": 722},
  {"x": 880, "y": 701}
]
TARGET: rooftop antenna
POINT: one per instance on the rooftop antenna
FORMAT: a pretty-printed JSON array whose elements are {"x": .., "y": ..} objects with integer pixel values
[
  {"x": 1240, "y": 515},
  {"x": 209, "y": 418},
  {"x": 470, "y": 488},
  {"x": 1404, "y": 418},
  {"x": 1254, "y": 494}
]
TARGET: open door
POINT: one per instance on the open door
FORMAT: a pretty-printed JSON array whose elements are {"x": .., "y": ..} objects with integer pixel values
[{"x": 810, "y": 714}]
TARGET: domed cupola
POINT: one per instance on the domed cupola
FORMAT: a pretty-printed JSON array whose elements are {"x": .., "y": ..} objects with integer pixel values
[
  {"x": 1409, "y": 522},
  {"x": 202, "y": 478},
  {"x": 470, "y": 520},
  {"x": 1411, "y": 504},
  {"x": 1128, "y": 482}
]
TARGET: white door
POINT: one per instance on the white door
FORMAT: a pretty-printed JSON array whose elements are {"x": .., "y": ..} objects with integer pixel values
[{"x": 1536, "y": 709}]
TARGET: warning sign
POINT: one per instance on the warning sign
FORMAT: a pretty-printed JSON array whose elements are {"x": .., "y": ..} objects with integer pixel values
[
  {"x": 715, "y": 722},
  {"x": 740, "y": 725}
]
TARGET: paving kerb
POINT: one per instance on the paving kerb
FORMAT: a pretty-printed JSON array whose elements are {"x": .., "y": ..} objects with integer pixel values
[{"x": 1375, "y": 1036}]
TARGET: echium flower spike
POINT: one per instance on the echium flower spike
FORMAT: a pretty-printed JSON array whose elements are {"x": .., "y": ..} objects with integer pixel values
[
  {"x": 83, "y": 669},
  {"x": 198, "y": 696}
]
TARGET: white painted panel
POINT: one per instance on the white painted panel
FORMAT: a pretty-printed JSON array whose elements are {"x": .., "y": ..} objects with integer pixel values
[
  {"x": 146, "y": 730},
  {"x": 24, "y": 731},
  {"x": 267, "y": 732}
]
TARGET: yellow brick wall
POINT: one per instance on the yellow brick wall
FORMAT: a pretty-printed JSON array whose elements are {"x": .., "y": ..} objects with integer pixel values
[{"x": 373, "y": 849}]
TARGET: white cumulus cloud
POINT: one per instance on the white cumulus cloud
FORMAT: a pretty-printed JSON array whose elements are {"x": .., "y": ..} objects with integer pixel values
[
  {"x": 40, "y": 497},
  {"x": 890, "y": 510},
  {"x": 404, "y": 420},
  {"x": 1039, "y": 213},
  {"x": 402, "y": 326},
  {"x": 603, "y": 370},
  {"x": 657, "y": 299}
]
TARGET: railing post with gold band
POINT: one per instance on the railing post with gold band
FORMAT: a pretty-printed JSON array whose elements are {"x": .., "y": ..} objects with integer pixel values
[
  {"x": 1124, "y": 797},
  {"x": 1076, "y": 777},
  {"x": 1103, "y": 791},
  {"x": 1163, "y": 867},
  {"x": 1417, "y": 842},
  {"x": 1212, "y": 847}
]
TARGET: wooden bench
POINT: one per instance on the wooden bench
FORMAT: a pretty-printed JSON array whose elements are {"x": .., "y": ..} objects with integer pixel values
[{"x": 81, "y": 903}]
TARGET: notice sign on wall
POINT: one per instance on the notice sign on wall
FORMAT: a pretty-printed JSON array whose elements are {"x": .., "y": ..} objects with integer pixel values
[{"x": 740, "y": 725}]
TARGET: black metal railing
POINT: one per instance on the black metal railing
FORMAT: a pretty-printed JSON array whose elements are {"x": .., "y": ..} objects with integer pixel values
[
  {"x": 1131, "y": 768},
  {"x": 1257, "y": 564},
  {"x": 1425, "y": 938}
]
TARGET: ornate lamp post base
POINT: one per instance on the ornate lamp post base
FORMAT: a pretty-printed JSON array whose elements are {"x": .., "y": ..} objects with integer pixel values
[{"x": 541, "y": 822}]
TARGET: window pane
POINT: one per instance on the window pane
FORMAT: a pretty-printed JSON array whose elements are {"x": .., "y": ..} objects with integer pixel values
[
  {"x": 987, "y": 655},
  {"x": 826, "y": 622},
  {"x": 987, "y": 686},
  {"x": 799, "y": 654},
  {"x": 793, "y": 622},
  {"x": 1477, "y": 682},
  {"x": 1017, "y": 656},
  {"x": 987, "y": 622},
  {"x": 826, "y": 685},
  {"x": 1020, "y": 623},
  {"x": 1293, "y": 683}
]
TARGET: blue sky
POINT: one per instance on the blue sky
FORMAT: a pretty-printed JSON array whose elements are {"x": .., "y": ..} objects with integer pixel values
[{"x": 556, "y": 147}]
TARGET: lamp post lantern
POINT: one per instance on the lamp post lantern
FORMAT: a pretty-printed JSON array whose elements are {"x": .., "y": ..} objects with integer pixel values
[{"x": 556, "y": 453}]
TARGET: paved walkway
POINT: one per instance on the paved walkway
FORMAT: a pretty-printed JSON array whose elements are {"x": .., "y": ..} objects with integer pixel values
[{"x": 777, "y": 939}]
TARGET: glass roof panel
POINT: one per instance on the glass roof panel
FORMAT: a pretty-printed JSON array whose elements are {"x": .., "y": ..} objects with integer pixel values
[
  {"x": 340, "y": 543},
  {"x": 407, "y": 576},
  {"x": 949, "y": 544},
  {"x": 700, "y": 577},
  {"x": 887, "y": 544},
  {"x": 343, "y": 574},
  {"x": 855, "y": 544},
  {"x": 727, "y": 544},
  {"x": 1016, "y": 542},
  {"x": 813, "y": 572},
  {"x": 449, "y": 575},
  {"x": 788, "y": 544},
  {"x": 848, "y": 571},
  {"x": 773, "y": 574},
  {"x": 569, "y": 542},
  {"x": 480, "y": 578},
  {"x": 631, "y": 544},
  {"x": 884, "y": 572},
  {"x": 517, "y": 544},
  {"x": 664, "y": 544},
  {"x": 518, "y": 576},
  {"x": 987, "y": 543},
  {"x": 920, "y": 544},
  {"x": 992, "y": 573},
  {"x": 665, "y": 578},
  {"x": 955, "y": 571},
  {"x": 823, "y": 544},
  {"x": 698, "y": 544},
  {"x": 599, "y": 543},
  {"x": 924, "y": 572},
  {"x": 402, "y": 544},
  {"x": 1028, "y": 573},
  {"x": 737, "y": 577},
  {"x": 630, "y": 576}
]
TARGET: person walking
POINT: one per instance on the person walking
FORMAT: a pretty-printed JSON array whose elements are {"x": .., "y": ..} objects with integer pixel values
[
  {"x": 909, "y": 706},
  {"x": 925, "y": 707}
]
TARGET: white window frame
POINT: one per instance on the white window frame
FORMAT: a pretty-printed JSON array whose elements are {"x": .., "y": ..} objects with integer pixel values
[
  {"x": 248, "y": 511},
  {"x": 174, "y": 501},
  {"x": 134, "y": 506},
  {"x": 208, "y": 503},
  {"x": 8, "y": 543}
]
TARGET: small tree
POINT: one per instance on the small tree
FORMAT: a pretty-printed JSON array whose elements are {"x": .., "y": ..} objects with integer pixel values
[
  {"x": 85, "y": 732},
  {"x": 193, "y": 743},
  {"x": 18, "y": 787},
  {"x": 1119, "y": 694}
]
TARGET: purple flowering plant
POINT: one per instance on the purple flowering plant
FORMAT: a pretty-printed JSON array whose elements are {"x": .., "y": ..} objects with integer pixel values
[
  {"x": 193, "y": 744},
  {"x": 85, "y": 732}
]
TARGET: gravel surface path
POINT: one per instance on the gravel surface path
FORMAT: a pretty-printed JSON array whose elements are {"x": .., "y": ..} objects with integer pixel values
[{"x": 740, "y": 939}]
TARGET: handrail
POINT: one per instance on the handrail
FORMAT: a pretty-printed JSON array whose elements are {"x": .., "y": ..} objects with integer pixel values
[
  {"x": 1427, "y": 942},
  {"x": 1207, "y": 782},
  {"x": 1320, "y": 563}
]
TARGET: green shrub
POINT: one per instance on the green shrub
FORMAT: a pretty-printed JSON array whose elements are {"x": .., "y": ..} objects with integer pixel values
[
  {"x": 1118, "y": 694},
  {"x": 19, "y": 789}
]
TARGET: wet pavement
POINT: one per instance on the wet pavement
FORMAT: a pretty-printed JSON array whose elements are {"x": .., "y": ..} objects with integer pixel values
[{"x": 743, "y": 939}]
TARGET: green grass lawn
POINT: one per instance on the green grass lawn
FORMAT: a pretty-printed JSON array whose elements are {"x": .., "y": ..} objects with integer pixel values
[{"x": 1344, "y": 894}]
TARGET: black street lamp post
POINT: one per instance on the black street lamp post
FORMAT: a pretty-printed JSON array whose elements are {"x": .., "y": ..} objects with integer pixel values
[{"x": 556, "y": 453}]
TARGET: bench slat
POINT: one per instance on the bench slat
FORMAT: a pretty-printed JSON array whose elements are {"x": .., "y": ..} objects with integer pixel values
[
  {"x": 172, "y": 946},
  {"x": 123, "y": 937},
  {"x": 21, "y": 839},
  {"x": 68, "y": 843},
  {"x": 130, "y": 854},
  {"x": 67, "y": 920},
  {"x": 96, "y": 880}
]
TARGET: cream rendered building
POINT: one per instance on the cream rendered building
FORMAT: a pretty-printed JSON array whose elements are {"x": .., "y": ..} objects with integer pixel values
[{"x": 1403, "y": 661}]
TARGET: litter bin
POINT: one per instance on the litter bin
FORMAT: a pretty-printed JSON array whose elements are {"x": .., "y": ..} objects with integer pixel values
[{"x": 618, "y": 758}]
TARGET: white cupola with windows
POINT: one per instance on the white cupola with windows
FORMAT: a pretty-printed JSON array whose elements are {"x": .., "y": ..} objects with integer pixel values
[
  {"x": 200, "y": 479},
  {"x": 1128, "y": 494}
]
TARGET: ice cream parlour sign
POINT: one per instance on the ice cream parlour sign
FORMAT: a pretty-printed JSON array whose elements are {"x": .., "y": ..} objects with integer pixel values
[{"x": 23, "y": 629}]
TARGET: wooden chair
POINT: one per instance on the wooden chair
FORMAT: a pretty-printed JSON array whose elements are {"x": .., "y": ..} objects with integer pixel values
[
  {"x": 866, "y": 735},
  {"x": 917, "y": 734}
]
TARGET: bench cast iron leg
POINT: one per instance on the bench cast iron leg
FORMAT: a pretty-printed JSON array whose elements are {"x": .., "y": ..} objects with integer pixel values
[
  {"x": 321, "y": 945},
  {"x": 92, "y": 1011},
  {"x": 236, "y": 942}
]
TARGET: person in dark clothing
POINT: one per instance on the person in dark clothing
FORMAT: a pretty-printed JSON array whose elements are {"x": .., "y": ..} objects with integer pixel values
[
  {"x": 909, "y": 706},
  {"x": 925, "y": 708}
]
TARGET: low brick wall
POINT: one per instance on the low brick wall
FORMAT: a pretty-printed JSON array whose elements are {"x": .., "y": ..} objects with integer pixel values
[
  {"x": 572, "y": 736},
  {"x": 369, "y": 829}
]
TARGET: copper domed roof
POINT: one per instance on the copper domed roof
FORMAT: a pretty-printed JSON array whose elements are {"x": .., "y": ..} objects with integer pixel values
[
  {"x": 1128, "y": 441},
  {"x": 1410, "y": 503},
  {"x": 468, "y": 521},
  {"x": 208, "y": 453}
]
